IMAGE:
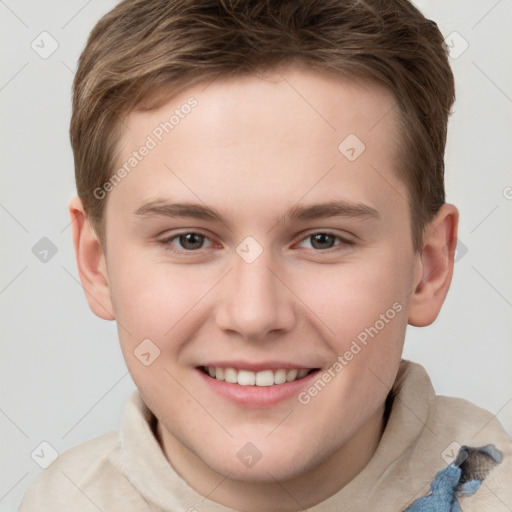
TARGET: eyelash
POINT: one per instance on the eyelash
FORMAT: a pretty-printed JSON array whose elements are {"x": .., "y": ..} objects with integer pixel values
[{"x": 166, "y": 243}]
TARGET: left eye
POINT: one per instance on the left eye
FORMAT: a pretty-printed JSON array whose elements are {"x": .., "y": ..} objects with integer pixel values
[{"x": 322, "y": 241}]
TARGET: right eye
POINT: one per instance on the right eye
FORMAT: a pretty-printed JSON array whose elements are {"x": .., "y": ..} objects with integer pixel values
[{"x": 190, "y": 241}]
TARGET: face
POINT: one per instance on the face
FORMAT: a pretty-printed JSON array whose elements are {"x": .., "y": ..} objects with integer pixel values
[{"x": 261, "y": 246}]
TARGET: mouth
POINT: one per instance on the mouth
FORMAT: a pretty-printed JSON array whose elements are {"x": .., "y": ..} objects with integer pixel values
[
  {"x": 248, "y": 383},
  {"x": 264, "y": 378}
]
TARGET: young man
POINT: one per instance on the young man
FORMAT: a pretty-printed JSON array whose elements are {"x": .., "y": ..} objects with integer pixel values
[{"x": 261, "y": 209}]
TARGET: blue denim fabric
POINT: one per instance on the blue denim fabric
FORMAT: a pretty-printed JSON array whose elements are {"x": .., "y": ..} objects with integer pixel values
[{"x": 453, "y": 481}]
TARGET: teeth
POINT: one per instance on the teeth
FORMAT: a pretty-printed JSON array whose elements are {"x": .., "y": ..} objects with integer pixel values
[
  {"x": 291, "y": 375},
  {"x": 246, "y": 378},
  {"x": 230, "y": 375},
  {"x": 263, "y": 378},
  {"x": 280, "y": 377}
]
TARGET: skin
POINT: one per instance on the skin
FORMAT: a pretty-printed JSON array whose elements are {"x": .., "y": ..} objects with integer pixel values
[{"x": 252, "y": 149}]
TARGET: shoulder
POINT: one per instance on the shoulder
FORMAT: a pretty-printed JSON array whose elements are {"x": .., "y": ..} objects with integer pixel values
[
  {"x": 445, "y": 417},
  {"x": 467, "y": 423},
  {"x": 79, "y": 476}
]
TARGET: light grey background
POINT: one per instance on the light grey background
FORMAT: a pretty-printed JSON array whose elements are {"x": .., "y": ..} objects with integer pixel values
[{"x": 63, "y": 378}]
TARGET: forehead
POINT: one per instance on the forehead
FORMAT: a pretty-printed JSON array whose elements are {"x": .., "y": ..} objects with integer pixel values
[
  {"x": 258, "y": 136},
  {"x": 328, "y": 101},
  {"x": 311, "y": 93}
]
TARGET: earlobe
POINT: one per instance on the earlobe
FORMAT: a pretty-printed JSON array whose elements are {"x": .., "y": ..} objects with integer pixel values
[
  {"x": 91, "y": 262},
  {"x": 436, "y": 264}
]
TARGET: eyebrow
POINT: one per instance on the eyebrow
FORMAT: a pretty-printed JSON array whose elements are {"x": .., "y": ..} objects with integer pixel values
[{"x": 337, "y": 208}]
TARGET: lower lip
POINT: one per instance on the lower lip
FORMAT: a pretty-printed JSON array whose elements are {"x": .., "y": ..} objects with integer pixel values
[{"x": 257, "y": 396}]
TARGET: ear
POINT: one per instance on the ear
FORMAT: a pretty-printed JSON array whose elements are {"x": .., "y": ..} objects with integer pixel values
[
  {"x": 91, "y": 262},
  {"x": 435, "y": 266}
]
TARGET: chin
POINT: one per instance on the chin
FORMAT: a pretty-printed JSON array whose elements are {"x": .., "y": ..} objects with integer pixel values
[{"x": 267, "y": 465}]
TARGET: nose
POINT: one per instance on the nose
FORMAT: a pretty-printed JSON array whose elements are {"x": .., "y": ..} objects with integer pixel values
[{"x": 255, "y": 303}]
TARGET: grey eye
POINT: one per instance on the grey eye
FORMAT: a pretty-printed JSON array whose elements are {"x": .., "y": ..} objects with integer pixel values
[{"x": 191, "y": 241}]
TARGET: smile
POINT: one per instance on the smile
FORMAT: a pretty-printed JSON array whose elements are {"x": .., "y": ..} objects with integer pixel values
[{"x": 262, "y": 378}]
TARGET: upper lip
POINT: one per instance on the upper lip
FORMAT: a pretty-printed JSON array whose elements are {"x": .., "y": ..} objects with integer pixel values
[{"x": 257, "y": 367}]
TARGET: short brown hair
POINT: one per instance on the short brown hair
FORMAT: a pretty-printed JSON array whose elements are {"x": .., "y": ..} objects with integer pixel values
[{"x": 145, "y": 46}]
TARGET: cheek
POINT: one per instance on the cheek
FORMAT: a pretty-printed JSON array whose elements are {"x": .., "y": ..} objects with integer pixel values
[
  {"x": 349, "y": 298},
  {"x": 368, "y": 313},
  {"x": 365, "y": 307},
  {"x": 154, "y": 308},
  {"x": 148, "y": 301},
  {"x": 150, "y": 296}
]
